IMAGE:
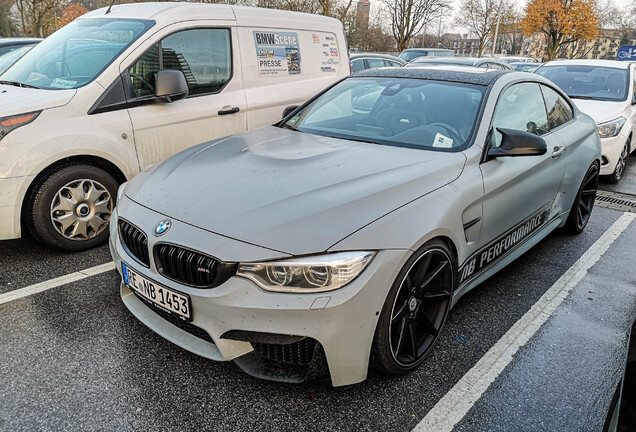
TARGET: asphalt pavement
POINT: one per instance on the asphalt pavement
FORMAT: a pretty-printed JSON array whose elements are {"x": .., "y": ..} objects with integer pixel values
[{"x": 74, "y": 358}]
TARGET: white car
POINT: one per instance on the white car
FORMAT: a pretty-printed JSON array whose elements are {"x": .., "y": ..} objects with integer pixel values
[
  {"x": 123, "y": 88},
  {"x": 604, "y": 90}
]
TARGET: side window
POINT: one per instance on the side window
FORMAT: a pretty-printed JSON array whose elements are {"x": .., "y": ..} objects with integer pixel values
[
  {"x": 357, "y": 65},
  {"x": 375, "y": 63},
  {"x": 559, "y": 111},
  {"x": 520, "y": 107},
  {"x": 203, "y": 55},
  {"x": 494, "y": 66},
  {"x": 142, "y": 73}
]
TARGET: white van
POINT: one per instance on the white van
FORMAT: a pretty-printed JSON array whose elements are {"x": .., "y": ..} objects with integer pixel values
[{"x": 99, "y": 100}]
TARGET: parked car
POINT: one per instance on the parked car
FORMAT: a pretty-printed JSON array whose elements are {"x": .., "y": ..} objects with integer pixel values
[
  {"x": 525, "y": 66},
  {"x": 517, "y": 59},
  {"x": 114, "y": 93},
  {"x": 370, "y": 61},
  {"x": 10, "y": 44},
  {"x": 335, "y": 238},
  {"x": 488, "y": 63},
  {"x": 8, "y": 58},
  {"x": 412, "y": 53},
  {"x": 603, "y": 89}
]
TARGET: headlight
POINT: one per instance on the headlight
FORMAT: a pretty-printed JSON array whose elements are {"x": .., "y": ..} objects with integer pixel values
[
  {"x": 307, "y": 274},
  {"x": 611, "y": 128},
  {"x": 7, "y": 124}
]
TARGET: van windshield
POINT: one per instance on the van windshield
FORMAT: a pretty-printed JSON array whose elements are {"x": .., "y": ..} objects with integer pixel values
[{"x": 76, "y": 54}]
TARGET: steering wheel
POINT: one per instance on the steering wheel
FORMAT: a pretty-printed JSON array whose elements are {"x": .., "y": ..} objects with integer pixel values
[
  {"x": 143, "y": 81},
  {"x": 456, "y": 136}
]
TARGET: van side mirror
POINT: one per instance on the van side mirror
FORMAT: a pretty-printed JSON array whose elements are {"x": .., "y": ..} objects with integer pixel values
[
  {"x": 171, "y": 85},
  {"x": 518, "y": 143},
  {"x": 287, "y": 111}
]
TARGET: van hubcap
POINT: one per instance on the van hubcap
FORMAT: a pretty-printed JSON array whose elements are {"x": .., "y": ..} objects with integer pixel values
[{"x": 81, "y": 209}]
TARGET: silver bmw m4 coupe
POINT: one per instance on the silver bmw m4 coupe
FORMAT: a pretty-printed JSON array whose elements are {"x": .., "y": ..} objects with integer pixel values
[{"x": 343, "y": 235}]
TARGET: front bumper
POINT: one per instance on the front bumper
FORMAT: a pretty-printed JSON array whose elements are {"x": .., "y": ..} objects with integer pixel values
[
  {"x": 611, "y": 148},
  {"x": 342, "y": 321},
  {"x": 12, "y": 191}
]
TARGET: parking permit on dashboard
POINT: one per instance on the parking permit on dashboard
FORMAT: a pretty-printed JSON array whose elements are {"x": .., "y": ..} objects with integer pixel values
[{"x": 442, "y": 141}]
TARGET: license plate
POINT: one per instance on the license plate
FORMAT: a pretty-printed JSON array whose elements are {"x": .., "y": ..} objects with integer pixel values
[{"x": 167, "y": 299}]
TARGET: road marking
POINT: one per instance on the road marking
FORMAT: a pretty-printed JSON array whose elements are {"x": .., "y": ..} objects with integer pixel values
[
  {"x": 53, "y": 283},
  {"x": 450, "y": 409}
]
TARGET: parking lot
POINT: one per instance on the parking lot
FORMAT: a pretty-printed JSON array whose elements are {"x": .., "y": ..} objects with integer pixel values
[{"x": 74, "y": 358}]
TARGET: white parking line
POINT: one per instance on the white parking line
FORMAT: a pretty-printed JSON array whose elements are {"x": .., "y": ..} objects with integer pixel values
[
  {"x": 53, "y": 283},
  {"x": 450, "y": 409}
]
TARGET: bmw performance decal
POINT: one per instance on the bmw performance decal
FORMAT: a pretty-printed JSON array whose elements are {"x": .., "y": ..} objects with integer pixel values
[{"x": 502, "y": 245}]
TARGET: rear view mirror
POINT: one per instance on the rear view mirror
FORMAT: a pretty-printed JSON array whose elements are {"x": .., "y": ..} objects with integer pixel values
[
  {"x": 171, "y": 85},
  {"x": 287, "y": 111},
  {"x": 518, "y": 143}
]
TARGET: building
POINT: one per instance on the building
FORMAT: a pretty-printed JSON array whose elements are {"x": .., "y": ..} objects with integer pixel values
[{"x": 362, "y": 13}]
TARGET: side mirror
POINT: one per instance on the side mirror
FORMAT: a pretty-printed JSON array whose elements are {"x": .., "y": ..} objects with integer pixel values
[
  {"x": 287, "y": 111},
  {"x": 634, "y": 99},
  {"x": 171, "y": 85},
  {"x": 518, "y": 143}
]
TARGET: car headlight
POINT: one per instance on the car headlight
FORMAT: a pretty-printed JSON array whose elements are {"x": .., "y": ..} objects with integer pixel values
[
  {"x": 7, "y": 124},
  {"x": 307, "y": 274},
  {"x": 611, "y": 128}
]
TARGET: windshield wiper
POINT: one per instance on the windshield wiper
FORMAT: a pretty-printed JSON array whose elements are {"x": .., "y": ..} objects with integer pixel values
[
  {"x": 581, "y": 97},
  {"x": 18, "y": 84}
]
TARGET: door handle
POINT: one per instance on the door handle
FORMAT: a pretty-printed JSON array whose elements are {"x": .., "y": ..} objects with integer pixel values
[
  {"x": 558, "y": 151},
  {"x": 228, "y": 110}
]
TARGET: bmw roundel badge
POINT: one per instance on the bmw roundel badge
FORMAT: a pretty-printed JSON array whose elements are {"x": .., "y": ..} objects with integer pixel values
[{"x": 162, "y": 227}]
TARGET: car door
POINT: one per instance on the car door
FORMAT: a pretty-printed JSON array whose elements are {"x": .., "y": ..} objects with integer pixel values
[
  {"x": 215, "y": 106},
  {"x": 519, "y": 192}
]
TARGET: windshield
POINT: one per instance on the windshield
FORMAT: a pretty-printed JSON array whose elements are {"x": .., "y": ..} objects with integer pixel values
[
  {"x": 415, "y": 113},
  {"x": 410, "y": 55},
  {"x": 76, "y": 54},
  {"x": 589, "y": 82}
]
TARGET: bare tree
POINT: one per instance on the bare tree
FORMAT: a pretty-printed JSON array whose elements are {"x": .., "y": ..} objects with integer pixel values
[
  {"x": 480, "y": 18},
  {"x": 409, "y": 16}
]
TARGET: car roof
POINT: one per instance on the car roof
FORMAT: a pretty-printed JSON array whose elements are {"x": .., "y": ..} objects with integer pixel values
[
  {"x": 468, "y": 75},
  {"x": 585, "y": 62},
  {"x": 164, "y": 13},
  {"x": 426, "y": 49},
  {"x": 19, "y": 41},
  {"x": 354, "y": 56}
]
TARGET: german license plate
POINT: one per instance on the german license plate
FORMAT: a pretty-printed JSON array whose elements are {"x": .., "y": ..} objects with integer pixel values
[{"x": 167, "y": 299}]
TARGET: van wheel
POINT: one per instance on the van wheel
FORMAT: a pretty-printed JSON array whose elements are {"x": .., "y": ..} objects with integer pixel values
[
  {"x": 415, "y": 309},
  {"x": 71, "y": 207}
]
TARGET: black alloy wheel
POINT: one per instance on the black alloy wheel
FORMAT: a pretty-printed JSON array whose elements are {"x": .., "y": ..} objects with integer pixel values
[
  {"x": 415, "y": 309},
  {"x": 583, "y": 202}
]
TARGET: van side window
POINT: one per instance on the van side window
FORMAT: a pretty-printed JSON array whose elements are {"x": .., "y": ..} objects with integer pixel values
[{"x": 203, "y": 55}]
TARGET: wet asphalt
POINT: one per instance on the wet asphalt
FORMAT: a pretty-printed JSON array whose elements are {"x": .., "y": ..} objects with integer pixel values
[{"x": 74, "y": 358}]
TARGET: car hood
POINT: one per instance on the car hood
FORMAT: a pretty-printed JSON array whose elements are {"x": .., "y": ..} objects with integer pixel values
[
  {"x": 18, "y": 100},
  {"x": 288, "y": 191},
  {"x": 601, "y": 111}
]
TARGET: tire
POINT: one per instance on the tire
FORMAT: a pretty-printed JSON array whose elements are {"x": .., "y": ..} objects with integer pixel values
[
  {"x": 416, "y": 308},
  {"x": 617, "y": 175},
  {"x": 70, "y": 207},
  {"x": 583, "y": 202}
]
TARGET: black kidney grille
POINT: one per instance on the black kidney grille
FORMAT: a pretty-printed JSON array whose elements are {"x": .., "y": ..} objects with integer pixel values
[
  {"x": 178, "y": 322},
  {"x": 184, "y": 265},
  {"x": 298, "y": 353},
  {"x": 135, "y": 242}
]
